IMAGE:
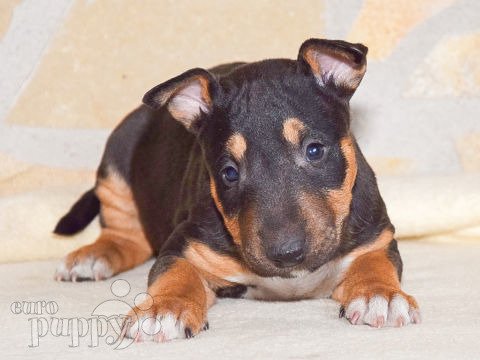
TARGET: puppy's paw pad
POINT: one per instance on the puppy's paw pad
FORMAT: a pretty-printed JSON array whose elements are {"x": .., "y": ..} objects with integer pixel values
[
  {"x": 77, "y": 267},
  {"x": 379, "y": 312}
]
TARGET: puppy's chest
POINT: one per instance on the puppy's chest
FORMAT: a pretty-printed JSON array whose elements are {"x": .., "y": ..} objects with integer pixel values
[{"x": 304, "y": 285}]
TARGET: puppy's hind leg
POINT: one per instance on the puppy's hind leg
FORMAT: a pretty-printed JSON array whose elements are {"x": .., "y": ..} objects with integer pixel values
[{"x": 121, "y": 245}]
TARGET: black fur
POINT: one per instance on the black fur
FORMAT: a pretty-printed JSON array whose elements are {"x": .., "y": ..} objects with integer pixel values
[
  {"x": 235, "y": 291},
  {"x": 80, "y": 215}
]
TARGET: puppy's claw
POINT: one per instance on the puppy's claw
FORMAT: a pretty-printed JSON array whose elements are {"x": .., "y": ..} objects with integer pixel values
[
  {"x": 188, "y": 333},
  {"x": 354, "y": 318},
  {"x": 415, "y": 316}
]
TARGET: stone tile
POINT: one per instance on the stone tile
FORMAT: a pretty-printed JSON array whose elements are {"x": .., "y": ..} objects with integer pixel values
[
  {"x": 468, "y": 148},
  {"x": 20, "y": 177},
  {"x": 6, "y": 10},
  {"x": 28, "y": 219},
  {"x": 391, "y": 166},
  {"x": 109, "y": 53},
  {"x": 382, "y": 24},
  {"x": 451, "y": 69}
]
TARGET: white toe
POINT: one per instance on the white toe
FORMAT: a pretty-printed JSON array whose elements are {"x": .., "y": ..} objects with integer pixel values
[
  {"x": 161, "y": 328},
  {"x": 377, "y": 313},
  {"x": 356, "y": 311},
  {"x": 82, "y": 269},
  {"x": 171, "y": 328},
  {"x": 398, "y": 312},
  {"x": 88, "y": 268},
  {"x": 61, "y": 272}
]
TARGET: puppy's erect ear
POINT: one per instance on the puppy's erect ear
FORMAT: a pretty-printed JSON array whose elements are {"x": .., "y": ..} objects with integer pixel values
[
  {"x": 335, "y": 63},
  {"x": 187, "y": 96}
]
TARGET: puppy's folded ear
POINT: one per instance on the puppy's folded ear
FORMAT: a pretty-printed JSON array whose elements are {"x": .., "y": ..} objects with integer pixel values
[
  {"x": 337, "y": 64},
  {"x": 188, "y": 96}
]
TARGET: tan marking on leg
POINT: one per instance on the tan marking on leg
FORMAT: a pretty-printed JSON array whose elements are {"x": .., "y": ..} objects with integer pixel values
[
  {"x": 121, "y": 245},
  {"x": 372, "y": 275},
  {"x": 231, "y": 223},
  {"x": 179, "y": 293},
  {"x": 292, "y": 130},
  {"x": 123, "y": 229},
  {"x": 236, "y": 146},
  {"x": 341, "y": 199},
  {"x": 214, "y": 267},
  {"x": 380, "y": 243}
]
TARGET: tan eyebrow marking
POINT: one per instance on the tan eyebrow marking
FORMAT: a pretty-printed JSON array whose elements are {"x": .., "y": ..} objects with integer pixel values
[
  {"x": 292, "y": 130},
  {"x": 237, "y": 146}
]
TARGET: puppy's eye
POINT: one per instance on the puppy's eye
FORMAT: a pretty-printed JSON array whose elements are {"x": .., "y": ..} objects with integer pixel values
[
  {"x": 314, "y": 151},
  {"x": 230, "y": 175}
]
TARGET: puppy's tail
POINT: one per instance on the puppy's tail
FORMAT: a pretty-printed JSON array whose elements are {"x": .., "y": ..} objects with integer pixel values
[{"x": 80, "y": 215}]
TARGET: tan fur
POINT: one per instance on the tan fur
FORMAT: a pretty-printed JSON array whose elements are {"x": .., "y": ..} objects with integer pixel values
[
  {"x": 231, "y": 222},
  {"x": 340, "y": 199},
  {"x": 310, "y": 57},
  {"x": 214, "y": 267},
  {"x": 205, "y": 93},
  {"x": 122, "y": 243},
  {"x": 371, "y": 273},
  {"x": 381, "y": 242},
  {"x": 317, "y": 218},
  {"x": 292, "y": 130},
  {"x": 236, "y": 146},
  {"x": 180, "y": 291}
]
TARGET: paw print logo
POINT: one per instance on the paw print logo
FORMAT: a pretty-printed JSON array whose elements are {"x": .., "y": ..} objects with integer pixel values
[{"x": 118, "y": 315}]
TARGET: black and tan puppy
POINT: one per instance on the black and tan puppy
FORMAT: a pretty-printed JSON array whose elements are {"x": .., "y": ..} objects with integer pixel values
[{"x": 244, "y": 181}]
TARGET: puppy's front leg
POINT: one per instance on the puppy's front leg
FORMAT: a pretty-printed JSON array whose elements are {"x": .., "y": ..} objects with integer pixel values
[
  {"x": 371, "y": 294},
  {"x": 177, "y": 305}
]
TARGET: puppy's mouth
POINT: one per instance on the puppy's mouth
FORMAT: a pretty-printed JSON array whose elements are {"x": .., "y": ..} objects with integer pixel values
[{"x": 264, "y": 267}]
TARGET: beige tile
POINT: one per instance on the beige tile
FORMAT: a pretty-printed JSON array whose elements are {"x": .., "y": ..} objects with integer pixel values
[
  {"x": 451, "y": 69},
  {"x": 6, "y": 13},
  {"x": 391, "y": 166},
  {"x": 468, "y": 148},
  {"x": 20, "y": 177},
  {"x": 382, "y": 24},
  {"x": 109, "y": 53},
  {"x": 28, "y": 219}
]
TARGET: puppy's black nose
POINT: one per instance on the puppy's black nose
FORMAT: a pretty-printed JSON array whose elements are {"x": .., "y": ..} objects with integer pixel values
[{"x": 288, "y": 254}]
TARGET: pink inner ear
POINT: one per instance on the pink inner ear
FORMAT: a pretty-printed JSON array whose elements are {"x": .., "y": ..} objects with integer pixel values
[
  {"x": 337, "y": 69},
  {"x": 186, "y": 103}
]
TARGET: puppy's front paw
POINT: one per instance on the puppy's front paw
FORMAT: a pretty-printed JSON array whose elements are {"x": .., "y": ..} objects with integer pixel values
[
  {"x": 87, "y": 263},
  {"x": 164, "y": 319},
  {"x": 397, "y": 309}
]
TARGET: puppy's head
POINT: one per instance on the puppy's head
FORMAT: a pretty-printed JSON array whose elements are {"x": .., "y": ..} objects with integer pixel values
[{"x": 275, "y": 138}]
